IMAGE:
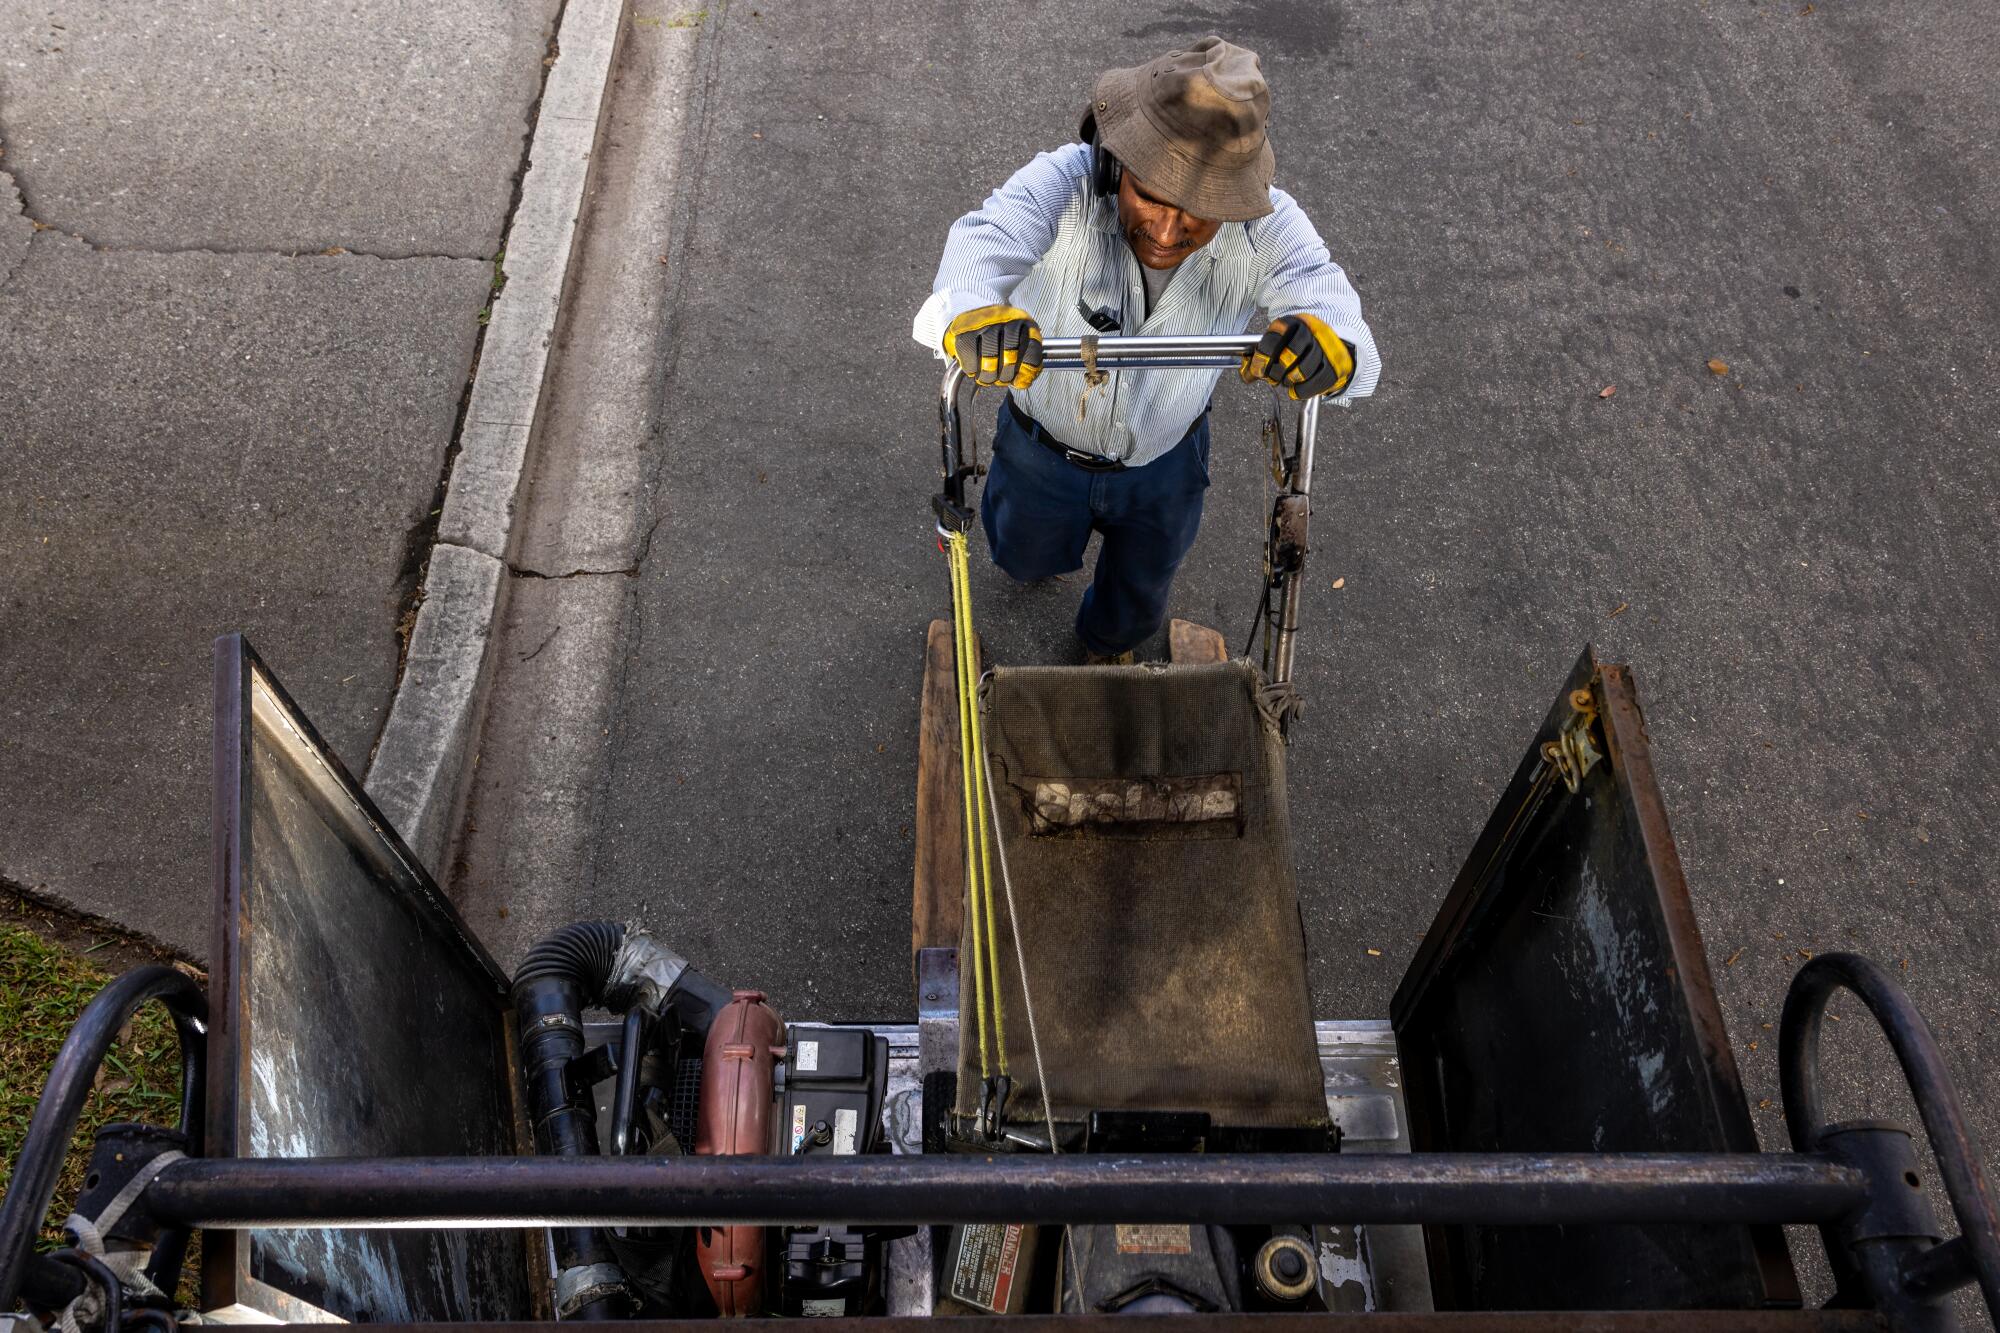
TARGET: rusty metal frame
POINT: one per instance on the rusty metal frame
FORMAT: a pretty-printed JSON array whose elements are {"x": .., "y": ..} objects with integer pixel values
[
  {"x": 1073, "y": 1188},
  {"x": 1906, "y": 1275},
  {"x": 1482, "y": 896},
  {"x": 239, "y": 675},
  {"x": 227, "y": 1194}
]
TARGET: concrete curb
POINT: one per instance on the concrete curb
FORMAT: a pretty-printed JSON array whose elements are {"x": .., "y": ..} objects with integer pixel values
[{"x": 422, "y": 761}]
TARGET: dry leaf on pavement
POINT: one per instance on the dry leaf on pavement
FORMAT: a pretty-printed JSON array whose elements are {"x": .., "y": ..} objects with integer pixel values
[{"x": 1718, "y": 365}]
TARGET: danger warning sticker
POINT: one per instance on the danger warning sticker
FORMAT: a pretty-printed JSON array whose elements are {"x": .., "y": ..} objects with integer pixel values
[{"x": 989, "y": 1255}]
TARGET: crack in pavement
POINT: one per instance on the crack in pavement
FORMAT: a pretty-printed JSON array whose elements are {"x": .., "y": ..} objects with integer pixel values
[
  {"x": 331, "y": 249},
  {"x": 16, "y": 266},
  {"x": 424, "y": 537},
  {"x": 630, "y": 571},
  {"x": 9, "y": 186},
  {"x": 543, "y": 644},
  {"x": 522, "y": 573},
  {"x": 328, "y": 252}
]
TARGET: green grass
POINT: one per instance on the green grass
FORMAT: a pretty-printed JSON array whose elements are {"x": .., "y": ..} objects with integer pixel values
[{"x": 43, "y": 987}]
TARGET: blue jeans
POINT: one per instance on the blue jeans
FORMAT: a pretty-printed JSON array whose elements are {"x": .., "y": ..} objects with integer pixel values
[{"x": 1039, "y": 510}]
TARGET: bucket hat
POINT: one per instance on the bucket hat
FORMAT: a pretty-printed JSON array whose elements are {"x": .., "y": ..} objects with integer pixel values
[{"x": 1190, "y": 124}]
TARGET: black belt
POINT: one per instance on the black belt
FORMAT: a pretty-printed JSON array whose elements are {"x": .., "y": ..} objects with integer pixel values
[{"x": 1076, "y": 457}]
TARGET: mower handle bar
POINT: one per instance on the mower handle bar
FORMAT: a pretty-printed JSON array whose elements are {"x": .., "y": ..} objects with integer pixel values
[
  {"x": 1205, "y": 351},
  {"x": 1221, "y": 351}
]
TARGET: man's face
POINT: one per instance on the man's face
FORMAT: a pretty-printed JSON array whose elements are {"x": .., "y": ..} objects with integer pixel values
[{"x": 1160, "y": 234}]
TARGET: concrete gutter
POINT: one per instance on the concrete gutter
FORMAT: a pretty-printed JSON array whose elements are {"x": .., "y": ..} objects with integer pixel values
[{"x": 424, "y": 758}]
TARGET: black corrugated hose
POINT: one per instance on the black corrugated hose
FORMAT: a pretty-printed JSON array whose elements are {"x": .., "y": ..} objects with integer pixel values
[
  {"x": 562, "y": 974},
  {"x": 582, "y": 952}
]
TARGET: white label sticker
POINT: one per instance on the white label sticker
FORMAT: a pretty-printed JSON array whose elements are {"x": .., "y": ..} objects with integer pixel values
[
  {"x": 1155, "y": 1238},
  {"x": 826, "y": 1309},
  {"x": 845, "y": 1123},
  {"x": 798, "y": 1125},
  {"x": 808, "y": 1061}
]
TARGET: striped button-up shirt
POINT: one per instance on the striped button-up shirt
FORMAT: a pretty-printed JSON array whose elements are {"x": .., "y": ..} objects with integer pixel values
[{"x": 1045, "y": 243}]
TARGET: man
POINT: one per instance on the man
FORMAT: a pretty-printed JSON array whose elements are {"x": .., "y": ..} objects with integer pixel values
[{"x": 1163, "y": 221}]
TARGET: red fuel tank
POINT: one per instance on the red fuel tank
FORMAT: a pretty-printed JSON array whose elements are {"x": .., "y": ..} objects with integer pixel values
[{"x": 744, "y": 1043}]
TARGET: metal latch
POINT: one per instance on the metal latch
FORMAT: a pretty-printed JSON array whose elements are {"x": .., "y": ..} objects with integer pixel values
[
  {"x": 1574, "y": 752},
  {"x": 1285, "y": 549},
  {"x": 1093, "y": 375}
]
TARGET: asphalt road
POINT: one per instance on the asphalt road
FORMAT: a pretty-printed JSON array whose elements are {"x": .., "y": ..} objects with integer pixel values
[
  {"x": 243, "y": 252},
  {"x": 1538, "y": 203}
]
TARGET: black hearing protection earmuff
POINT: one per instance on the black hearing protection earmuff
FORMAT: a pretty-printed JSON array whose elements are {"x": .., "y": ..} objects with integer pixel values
[{"x": 1105, "y": 170}]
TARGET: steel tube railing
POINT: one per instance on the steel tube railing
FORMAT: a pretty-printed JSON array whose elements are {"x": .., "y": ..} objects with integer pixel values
[
  {"x": 1491, "y": 1189},
  {"x": 1976, "y": 1252},
  {"x": 1152, "y": 352},
  {"x": 39, "y": 1163}
]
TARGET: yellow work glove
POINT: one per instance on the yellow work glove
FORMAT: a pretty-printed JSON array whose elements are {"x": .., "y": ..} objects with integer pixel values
[
  {"x": 996, "y": 344},
  {"x": 1299, "y": 353}
]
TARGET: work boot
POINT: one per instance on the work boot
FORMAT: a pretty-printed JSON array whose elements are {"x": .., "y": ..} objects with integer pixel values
[{"x": 1107, "y": 659}]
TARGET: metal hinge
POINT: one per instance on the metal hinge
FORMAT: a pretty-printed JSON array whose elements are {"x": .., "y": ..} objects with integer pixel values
[{"x": 1574, "y": 752}]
